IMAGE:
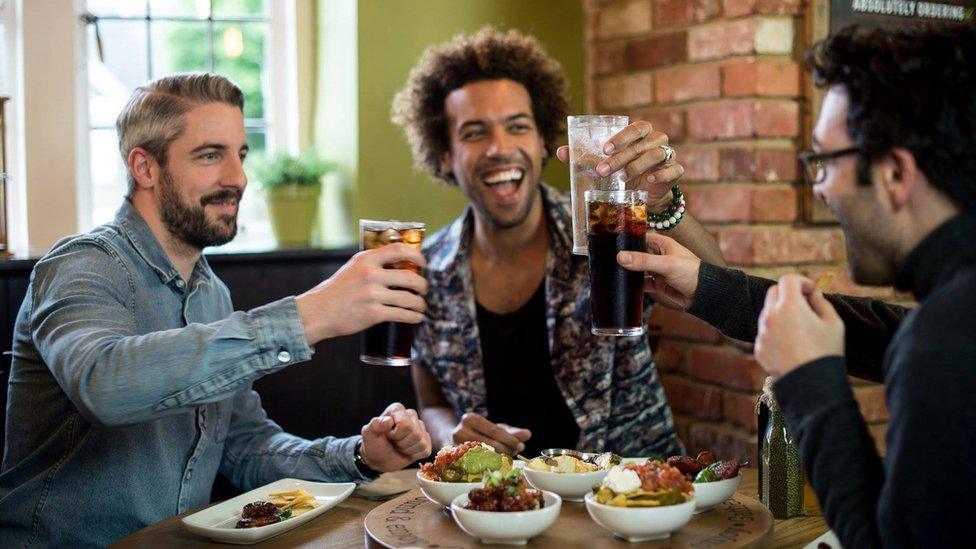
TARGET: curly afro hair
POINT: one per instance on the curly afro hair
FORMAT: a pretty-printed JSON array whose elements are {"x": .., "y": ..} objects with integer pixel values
[
  {"x": 488, "y": 54},
  {"x": 913, "y": 88}
]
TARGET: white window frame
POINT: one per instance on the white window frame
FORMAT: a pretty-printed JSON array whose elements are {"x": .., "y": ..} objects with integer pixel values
[
  {"x": 281, "y": 112},
  {"x": 16, "y": 212},
  {"x": 34, "y": 224}
]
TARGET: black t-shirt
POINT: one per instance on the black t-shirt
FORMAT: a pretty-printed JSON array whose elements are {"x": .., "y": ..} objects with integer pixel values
[{"x": 520, "y": 384}]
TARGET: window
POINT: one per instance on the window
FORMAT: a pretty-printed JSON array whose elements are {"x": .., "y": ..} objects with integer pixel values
[
  {"x": 9, "y": 141},
  {"x": 132, "y": 41},
  {"x": 5, "y": 54}
]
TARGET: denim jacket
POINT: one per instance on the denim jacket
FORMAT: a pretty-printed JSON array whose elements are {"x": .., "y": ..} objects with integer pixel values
[
  {"x": 130, "y": 388},
  {"x": 609, "y": 383}
]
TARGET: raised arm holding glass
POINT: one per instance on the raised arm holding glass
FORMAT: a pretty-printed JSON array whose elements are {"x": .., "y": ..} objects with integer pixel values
[
  {"x": 894, "y": 161},
  {"x": 505, "y": 354},
  {"x": 130, "y": 385}
]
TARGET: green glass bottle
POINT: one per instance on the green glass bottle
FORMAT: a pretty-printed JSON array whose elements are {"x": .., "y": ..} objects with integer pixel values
[{"x": 781, "y": 489}]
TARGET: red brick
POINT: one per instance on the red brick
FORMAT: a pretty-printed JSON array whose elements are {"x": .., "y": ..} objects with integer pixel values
[
  {"x": 774, "y": 204},
  {"x": 741, "y": 119},
  {"x": 624, "y": 19},
  {"x": 719, "y": 203},
  {"x": 777, "y": 118},
  {"x": 656, "y": 51},
  {"x": 747, "y": 164},
  {"x": 688, "y": 82},
  {"x": 699, "y": 164},
  {"x": 694, "y": 399},
  {"x": 627, "y": 90},
  {"x": 682, "y": 12},
  {"x": 738, "y": 8},
  {"x": 670, "y": 355},
  {"x": 726, "y": 367},
  {"x": 731, "y": 202},
  {"x": 722, "y": 39},
  {"x": 607, "y": 57},
  {"x": 871, "y": 401},
  {"x": 669, "y": 121},
  {"x": 682, "y": 325},
  {"x": 739, "y": 409},
  {"x": 776, "y": 165},
  {"x": 721, "y": 120},
  {"x": 780, "y": 245},
  {"x": 764, "y": 77},
  {"x": 682, "y": 426},
  {"x": 738, "y": 164},
  {"x": 725, "y": 441}
]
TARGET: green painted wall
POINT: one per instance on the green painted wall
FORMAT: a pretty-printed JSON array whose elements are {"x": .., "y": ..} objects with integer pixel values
[{"x": 392, "y": 36}]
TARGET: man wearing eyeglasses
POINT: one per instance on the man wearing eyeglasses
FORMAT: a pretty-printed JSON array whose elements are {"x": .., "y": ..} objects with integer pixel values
[{"x": 894, "y": 161}]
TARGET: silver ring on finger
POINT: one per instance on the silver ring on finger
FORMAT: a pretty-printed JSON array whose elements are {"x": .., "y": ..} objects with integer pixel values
[{"x": 668, "y": 154}]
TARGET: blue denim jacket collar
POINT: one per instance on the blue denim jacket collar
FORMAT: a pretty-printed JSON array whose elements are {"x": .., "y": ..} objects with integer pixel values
[{"x": 148, "y": 247}]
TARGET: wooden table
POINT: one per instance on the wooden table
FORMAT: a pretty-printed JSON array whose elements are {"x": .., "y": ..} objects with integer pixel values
[{"x": 342, "y": 526}]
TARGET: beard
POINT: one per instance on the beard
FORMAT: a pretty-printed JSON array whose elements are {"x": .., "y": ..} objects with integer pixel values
[
  {"x": 871, "y": 241},
  {"x": 189, "y": 222}
]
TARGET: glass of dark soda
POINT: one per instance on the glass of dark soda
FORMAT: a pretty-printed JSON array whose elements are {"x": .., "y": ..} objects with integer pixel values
[
  {"x": 389, "y": 343},
  {"x": 616, "y": 221}
]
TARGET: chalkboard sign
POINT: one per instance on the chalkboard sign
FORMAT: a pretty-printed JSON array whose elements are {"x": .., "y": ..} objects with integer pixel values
[{"x": 897, "y": 13}]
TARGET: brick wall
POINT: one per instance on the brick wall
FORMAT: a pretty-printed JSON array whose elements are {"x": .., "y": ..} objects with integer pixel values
[{"x": 723, "y": 79}]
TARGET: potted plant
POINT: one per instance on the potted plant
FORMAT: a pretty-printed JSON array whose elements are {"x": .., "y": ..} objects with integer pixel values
[{"x": 292, "y": 186}]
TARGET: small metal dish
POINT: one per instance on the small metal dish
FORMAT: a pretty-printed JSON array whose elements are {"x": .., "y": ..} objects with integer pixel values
[{"x": 604, "y": 460}]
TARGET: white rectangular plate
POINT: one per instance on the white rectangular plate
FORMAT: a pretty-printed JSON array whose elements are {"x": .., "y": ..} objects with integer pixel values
[{"x": 217, "y": 521}]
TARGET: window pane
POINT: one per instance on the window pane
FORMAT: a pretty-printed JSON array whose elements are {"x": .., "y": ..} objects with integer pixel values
[
  {"x": 107, "y": 175},
  {"x": 4, "y": 77},
  {"x": 239, "y": 54},
  {"x": 257, "y": 140},
  {"x": 254, "y": 230},
  {"x": 238, "y": 7},
  {"x": 179, "y": 47},
  {"x": 121, "y": 8},
  {"x": 125, "y": 67},
  {"x": 182, "y": 8}
]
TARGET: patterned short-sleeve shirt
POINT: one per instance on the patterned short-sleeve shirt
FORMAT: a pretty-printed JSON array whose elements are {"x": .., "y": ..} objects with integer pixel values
[{"x": 609, "y": 383}]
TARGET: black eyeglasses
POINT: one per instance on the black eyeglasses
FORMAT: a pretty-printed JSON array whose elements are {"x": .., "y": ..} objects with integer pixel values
[{"x": 815, "y": 163}]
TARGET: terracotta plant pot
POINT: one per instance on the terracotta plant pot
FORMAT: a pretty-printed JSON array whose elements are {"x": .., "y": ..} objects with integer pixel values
[{"x": 293, "y": 210}]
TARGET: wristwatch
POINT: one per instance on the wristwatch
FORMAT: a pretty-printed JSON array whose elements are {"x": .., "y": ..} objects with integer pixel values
[{"x": 361, "y": 466}]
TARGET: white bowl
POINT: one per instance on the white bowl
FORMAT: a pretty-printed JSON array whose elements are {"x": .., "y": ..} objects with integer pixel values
[
  {"x": 443, "y": 493},
  {"x": 640, "y": 523},
  {"x": 508, "y": 528},
  {"x": 710, "y": 494},
  {"x": 570, "y": 486}
]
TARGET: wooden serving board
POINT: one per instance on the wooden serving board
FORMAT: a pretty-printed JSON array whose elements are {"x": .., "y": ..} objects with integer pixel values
[{"x": 412, "y": 520}]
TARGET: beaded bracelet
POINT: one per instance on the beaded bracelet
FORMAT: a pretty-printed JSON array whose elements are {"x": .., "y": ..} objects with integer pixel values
[{"x": 671, "y": 216}]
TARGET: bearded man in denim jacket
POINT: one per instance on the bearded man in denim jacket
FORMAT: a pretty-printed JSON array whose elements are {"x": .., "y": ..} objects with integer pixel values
[
  {"x": 505, "y": 354},
  {"x": 130, "y": 386}
]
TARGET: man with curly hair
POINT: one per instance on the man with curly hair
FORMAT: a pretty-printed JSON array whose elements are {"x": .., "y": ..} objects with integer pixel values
[
  {"x": 505, "y": 353},
  {"x": 894, "y": 161}
]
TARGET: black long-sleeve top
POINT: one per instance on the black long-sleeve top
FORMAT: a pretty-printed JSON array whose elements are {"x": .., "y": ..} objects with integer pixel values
[{"x": 921, "y": 494}]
